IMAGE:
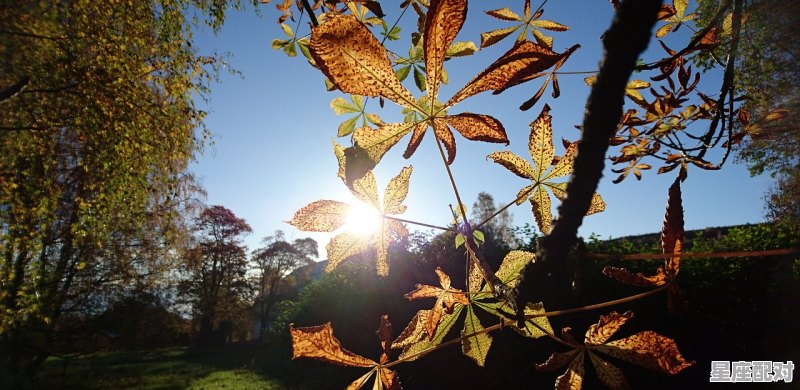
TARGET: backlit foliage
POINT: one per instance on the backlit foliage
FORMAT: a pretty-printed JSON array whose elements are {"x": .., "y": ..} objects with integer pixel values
[{"x": 676, "y": 123}]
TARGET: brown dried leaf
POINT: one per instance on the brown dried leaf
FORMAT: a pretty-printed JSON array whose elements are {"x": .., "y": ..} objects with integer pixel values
[
  {"x": 350, "y": 56},
  {"x": 414, "y": 331},
  {"x": 444, "y": 21},
  {"x": 647, "y": 349},
  {"x": 600, "y": 332},
  {"x": 608, "y": 373},
  {"x": 540, "y": 202},
  {"x": 416, "y": 139},
  {"x": 477, "y": 346},
  {"x": 672, "y": 230},
  {"x": 321, "y": 216},
  {"x": 489, "y": 38},
  {"x": 444, "y": 134},
  {"x": 446, "y": 299},
  {"x": 366, "y": 190},
  {"x": 522, "y": 61},
  {"x": 389, "y": 231},
  {"x": 573, "y": 378},
  {"x": 318, "y": 342},
  {"x": 557, "y": 360},
  {"x": 478, "y": 127},
  {"x": 638, "y": 279}
]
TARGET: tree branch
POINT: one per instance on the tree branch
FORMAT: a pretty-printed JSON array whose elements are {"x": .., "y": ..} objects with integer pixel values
[{"x": 627, "y": 38}]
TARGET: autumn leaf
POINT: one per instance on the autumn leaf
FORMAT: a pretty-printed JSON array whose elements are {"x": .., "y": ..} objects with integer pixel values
[
  {"x": 353, "y": 59},
  {"x": 647, "y": 349},
  {"x": 520, "y": 64},
  {"x": 444, "y": 21},
  {"x": 631, "y": 89},
  {"x": 671, "y": 243},
  {"x": 340, "y": 106},
  {"x": 676, "y": 19},
  {"x": 540, "y": 147},
  {"x": 529, "y": 21},
  {"x": 321, "y": 216},
  {"x": 318, "y": 342},
  {"x": 446, "y": 299},
  {"x": 412, "y": 348},
  {"x": 477, "y": 346},
  {"x": 326, "y": 216}
]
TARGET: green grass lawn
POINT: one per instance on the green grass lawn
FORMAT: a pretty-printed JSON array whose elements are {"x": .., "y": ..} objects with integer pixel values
[{"x": 230, "y": 367}]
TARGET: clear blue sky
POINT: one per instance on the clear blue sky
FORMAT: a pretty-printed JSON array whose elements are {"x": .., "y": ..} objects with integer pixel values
[{"x": 273, "y": 132}]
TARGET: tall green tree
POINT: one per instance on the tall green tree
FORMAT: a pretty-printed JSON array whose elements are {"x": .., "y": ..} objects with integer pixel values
[
  {"x": 768, "y": 76},
  {"x": 272, "y": 263},
  {"x": 97, "y": 126},
  {"x": 216, "y": 269}
]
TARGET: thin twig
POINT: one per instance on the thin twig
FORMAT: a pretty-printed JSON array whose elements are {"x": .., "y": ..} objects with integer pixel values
[{"x": 420, "y": 223}]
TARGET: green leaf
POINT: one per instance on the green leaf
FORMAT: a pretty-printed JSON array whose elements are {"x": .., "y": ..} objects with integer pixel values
[
  {"x": 445, "y": 324},
  {"x": 402, "y": 72},
  {"x": 459, "y": 240},
  {"x": 347, "y": 127},
  {"x": 461, "y": 49},
  {"x": 287, "y": 30},
  {"x": 341, "y": 106},
  {"x": 477, "y": 346},
  {"x": 478, "y": 235},
  {"x": 419, "y": 79}
]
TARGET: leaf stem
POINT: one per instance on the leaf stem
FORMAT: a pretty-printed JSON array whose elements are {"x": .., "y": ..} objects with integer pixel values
[
  {"x": 505, "y": 322},
  {"x": 420, "y": 223},
  {"x": 513, "y": 202}
]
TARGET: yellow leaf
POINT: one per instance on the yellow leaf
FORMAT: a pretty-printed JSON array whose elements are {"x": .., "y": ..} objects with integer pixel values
[
  {"x": 513, "y": 163},
  {"x": 540, "y": 202},
  {"x": 489, "y": 38},
  {"x": 477, "y": 346},
  {"x": 540, "y": 143},
  {"x": 443, "y": 22},
  {"x": 366, "y": 190},
  {"x": 342, "y": 246},
  {"x": 550, "y": 25},
  {"x": 360, "y": 382},
  {"x": 339, "y": 152},
  {"x": 321, "y": 216},
  {"x": 504, "y": 14},
  {"x": 350, "y": 56},
  {"x": 396, "y": 192},
  {"x": 411, "y": 352},
  {"x": 318, "y": 342},
  {"x": 378, "y": 141}
]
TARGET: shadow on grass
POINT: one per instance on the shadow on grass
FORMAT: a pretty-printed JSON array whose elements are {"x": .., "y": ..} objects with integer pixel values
[{"x": 230, "y": 367}]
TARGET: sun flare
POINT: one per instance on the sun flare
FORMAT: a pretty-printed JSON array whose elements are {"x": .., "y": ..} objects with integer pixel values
[{"x": 363, "y": 220}]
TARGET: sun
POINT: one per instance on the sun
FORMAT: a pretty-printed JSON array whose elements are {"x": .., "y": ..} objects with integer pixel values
[{"x": 363, "y": 220}]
